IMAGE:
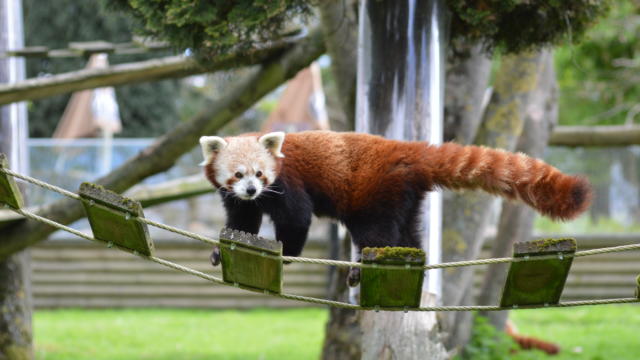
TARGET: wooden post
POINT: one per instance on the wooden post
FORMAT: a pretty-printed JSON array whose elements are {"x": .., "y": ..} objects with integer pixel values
[
  {"x": 15, "y": 280},
  {"x": 538, "y": 282},
  {"x": 399, "y": 95}
]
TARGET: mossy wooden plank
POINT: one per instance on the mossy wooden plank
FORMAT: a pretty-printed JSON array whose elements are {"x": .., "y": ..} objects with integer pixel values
[
  {"x": 251, "y": 268},
  {"x": 538, "y": 282},
  {"x": 638, "y": 287},
  {"x": 382, "y": 287},
  {"x": 9, "y": 192},
  {"x": 112, "y": 219}
]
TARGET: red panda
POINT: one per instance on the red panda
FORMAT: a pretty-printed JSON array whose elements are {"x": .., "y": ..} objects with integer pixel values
[{"x": 373, "y": 185}]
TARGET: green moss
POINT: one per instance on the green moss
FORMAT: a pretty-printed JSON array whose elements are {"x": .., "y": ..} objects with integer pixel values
[
  {"x": 110, "y": 198},
  {"x": 544, "y": 244},
  {"x": 387, "y": 254}
]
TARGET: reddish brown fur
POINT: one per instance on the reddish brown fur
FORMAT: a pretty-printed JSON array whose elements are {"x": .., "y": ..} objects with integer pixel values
[
  {"x": 352, "y": 167},
  {"x": 530, "y": 342}
]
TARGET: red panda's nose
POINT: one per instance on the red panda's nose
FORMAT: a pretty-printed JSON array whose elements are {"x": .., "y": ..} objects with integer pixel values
[{"x": 251, "y": 190}]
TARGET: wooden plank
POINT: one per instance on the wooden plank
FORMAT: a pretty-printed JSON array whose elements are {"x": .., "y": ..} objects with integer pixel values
[
  {"x": 29, "y": 51},
  {"x": 638, "y": 287},
  {"x": 253, "y": 269},
  {"x": 113, "y": 219},
  {"x": 383, "y": 287},
  {"x": 10, "y": 194},
  {"x": 538, "y": 281},
  {"x": 87, "y": 48}
]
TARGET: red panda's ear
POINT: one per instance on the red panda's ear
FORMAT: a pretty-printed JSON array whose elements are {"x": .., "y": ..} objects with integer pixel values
[
  {"x": 211, "y": 145},
  {"x": 273, "y": 142}
]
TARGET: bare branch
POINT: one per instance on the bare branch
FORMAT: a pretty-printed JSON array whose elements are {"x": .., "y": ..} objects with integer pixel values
[
  {"x": 129, "y": 73},
  {"x": 620, "y": 135}
]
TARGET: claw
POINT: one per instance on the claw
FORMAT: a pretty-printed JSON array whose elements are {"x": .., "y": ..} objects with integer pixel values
[
  {"x": 215, "y": 256},
  {"x": 353, "y": 278}
]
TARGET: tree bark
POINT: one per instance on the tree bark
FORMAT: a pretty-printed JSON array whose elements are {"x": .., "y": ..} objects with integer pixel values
[
  {"x": 340, "y": 27},
  {"x": 468, "y": 70},
  {"x": 15, "y": 281},
  {"x": 467, "y": 214},
  {"x": 605, "y": 136},
  {"x": 339, "y": 22},
  {"x": 167, "y": 149},
  {"x": 149, "y": 70},
  {"x": 516, "y": 220}
]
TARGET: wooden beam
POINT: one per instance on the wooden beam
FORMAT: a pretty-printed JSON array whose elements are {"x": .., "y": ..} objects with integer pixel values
[
  {"x": 606, "y": 136},
  {"x": 177, "y": 189},
  {"x": 129, "y": 73}
]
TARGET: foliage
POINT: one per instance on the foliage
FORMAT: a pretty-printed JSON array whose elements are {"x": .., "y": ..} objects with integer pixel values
[
  {"x": 215, "y": 26},
  {"x": 146, "y": 110},
  {"x": 487, "y": 343},
  {"x": 517, "y": 25},
  {"x": 210, "y": 27},
  {"x": 598, "y": 78}
]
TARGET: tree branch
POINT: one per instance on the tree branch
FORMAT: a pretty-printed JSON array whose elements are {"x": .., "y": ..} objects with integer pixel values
[
  {"x": 150, "y": 70},
  {"x": 167, "y": 149},
  {"x": 615, "y": 135}
]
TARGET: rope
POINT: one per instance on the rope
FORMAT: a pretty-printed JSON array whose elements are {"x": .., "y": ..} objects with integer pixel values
[
  {"x": 313, "y": 300},
  {"x": 178, "y": 231},
  {"x": 40, "y": 183}
]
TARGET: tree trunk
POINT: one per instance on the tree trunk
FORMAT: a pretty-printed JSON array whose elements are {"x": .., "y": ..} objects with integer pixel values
[
  {"x": 467, "y": 214},
  {"x": 400, "y": 97},
  {"x": 339, "y": 22},
  {"x": 468, "y": 70},
  {"x": 15, "y": 281},
  {"x": 516, "y": 220}
]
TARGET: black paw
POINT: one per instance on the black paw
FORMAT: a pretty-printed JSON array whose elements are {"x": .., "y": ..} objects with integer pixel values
[
  {"x": 215, "y": 256},
  {"x": 353, "y": 279}
]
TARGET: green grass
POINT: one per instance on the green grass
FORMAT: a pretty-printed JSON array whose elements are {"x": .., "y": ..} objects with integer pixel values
[
  {"x": 593, "y": 333},
  {"x": 584, "y": 224},
  {"x": 179, "y": 334}
]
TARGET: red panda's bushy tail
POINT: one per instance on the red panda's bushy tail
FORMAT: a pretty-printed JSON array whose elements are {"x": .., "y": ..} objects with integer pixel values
[{"x": 511, "y": 175}]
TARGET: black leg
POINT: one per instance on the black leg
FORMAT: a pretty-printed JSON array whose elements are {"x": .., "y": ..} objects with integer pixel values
[
  {"x": 292, "y": 237},
  {"x": 241, "y": 215}
]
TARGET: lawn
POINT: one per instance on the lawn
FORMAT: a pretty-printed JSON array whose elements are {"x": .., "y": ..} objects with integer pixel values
[
  {"x": 601, "y": 332},
  {"x": 179, "y": 334}
]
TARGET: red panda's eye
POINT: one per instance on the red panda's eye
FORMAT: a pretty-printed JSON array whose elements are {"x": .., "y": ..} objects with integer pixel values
[
  {"x": 239, "y": 175},
  {"x": 259, "y": 174}
]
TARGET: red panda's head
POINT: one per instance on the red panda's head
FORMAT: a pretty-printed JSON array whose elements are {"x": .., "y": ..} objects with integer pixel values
[{"x": 243, "y": 165}]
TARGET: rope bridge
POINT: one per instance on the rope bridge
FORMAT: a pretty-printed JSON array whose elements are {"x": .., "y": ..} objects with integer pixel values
[{"x": 255, "y": 264}]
